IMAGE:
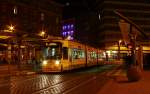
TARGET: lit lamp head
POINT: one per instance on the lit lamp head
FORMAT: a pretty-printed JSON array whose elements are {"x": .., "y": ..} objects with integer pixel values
[
  {"x": 120, "y": 41},
  {"x": 42, "y": 33},
  {"x": 11, "y": 28}
]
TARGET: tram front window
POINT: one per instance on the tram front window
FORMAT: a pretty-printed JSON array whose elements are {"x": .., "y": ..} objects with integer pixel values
[{"x": 53, "y": 52}]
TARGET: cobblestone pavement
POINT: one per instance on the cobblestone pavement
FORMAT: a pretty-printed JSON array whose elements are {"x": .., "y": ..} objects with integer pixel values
[{"x": 75, "y": 83}]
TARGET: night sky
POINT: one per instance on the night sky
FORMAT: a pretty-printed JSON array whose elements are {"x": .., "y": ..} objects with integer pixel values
[{"x": 72, "y": 8}]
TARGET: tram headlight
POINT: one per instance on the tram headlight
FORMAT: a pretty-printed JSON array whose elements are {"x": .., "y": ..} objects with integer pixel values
[
  {"x": 57, "y": 62},
  {"x": 45, "y": 62}
]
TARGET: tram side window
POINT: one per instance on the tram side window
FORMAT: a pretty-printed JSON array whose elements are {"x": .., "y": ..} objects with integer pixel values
[
  {"x": 65, "y": 53},
  {"x": 78, "y": 54},
  {"x": 82, "y": 54},
  {"x": 75, "y": 54},
  {"x": 93, "y": 55}
]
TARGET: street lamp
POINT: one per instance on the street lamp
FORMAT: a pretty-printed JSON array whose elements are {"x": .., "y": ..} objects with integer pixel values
[
  {"x": 42, "y": 33},
  {"x": 18, "y": 38},
  {"x": 119, "y": 43},
  {"x": 9, "y": 57},
  {"x": 11, "y": 28}
]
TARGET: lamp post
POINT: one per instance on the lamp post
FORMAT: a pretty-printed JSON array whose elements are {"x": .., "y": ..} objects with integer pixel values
[
  {"x": 18, "y": 36},
  {"x": 133, "y": 49},
  {"x": 130, "y": 32},
  {"x": 119, "y": 43},
  {"x": 11, "y": 28}
]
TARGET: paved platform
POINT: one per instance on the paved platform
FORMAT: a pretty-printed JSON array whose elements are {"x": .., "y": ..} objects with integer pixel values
[
  {"x": 11, "y": 70},
  {"x": 119, "y": 84}
]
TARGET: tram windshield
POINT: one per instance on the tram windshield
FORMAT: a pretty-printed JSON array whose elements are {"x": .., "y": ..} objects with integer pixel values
[{"x": 53, "y": 51}]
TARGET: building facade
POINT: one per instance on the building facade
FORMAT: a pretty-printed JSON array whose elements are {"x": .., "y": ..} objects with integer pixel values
[
  {"x": 100, "y": 27},
  {"x": 109, "y": 31},
  {"x": 27, "y": 17},
  {"x": 31, "y": 15}
]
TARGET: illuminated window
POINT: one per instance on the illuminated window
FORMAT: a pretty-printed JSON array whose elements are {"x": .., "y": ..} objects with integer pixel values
[
  {"x": 72, "y": 26},
  {"x": 68, "y": 31},
  {"x": 65, "y": 27},
  {"x": 68, "y": 26},
  {"x": 78, "y": 53}
]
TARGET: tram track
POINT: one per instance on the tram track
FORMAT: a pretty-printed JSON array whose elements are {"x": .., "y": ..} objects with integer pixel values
[
  {"x": 67, "y": 86},
  {"x": 61, "y": 85},
  {"x": 78, "y": 86}
]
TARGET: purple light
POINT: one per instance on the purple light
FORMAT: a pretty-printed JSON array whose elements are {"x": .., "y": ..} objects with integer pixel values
[
  {"x": 71, "y": 32},
  {"x": 72, "y": 25},
  {"x": 68, "y": 33},
  {"x": 68, "y": 26},
  {"x": 68, "y": 30},
  {"x": 63, "y": 33},
  {"x": 71, "y": 38},
  {"x": 65, "y": 27}
]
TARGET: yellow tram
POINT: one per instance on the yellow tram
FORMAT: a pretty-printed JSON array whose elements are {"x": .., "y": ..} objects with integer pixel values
[{"x": 62, "y": 55}]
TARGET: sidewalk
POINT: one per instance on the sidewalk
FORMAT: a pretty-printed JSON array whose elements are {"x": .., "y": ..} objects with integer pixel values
[
  {"x": 6, "y": 71},
  {"x": 118, "y": 84},
  {"x": 16, "y": 73}
]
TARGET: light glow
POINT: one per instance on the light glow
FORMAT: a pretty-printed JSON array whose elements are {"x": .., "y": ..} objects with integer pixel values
[
  {"x": 114, "y": 51},
  {"x": 99, "y": 16},
  {"x": 42, "y": 33},
  {"x": 4, "y": 37},
  {"x": 72, "y": 26},
  {"x": 53, "y": 51},
  {"x": 69, "y": 38},
  {"x": 120, "y": 41},
  {"x": 109, "y": 53},
  {"x": 11, "y": 28},
  {"x": 57, "y": 62},
  {"x": 45, "y": 62},
  {"x": 15, "y": 10}
]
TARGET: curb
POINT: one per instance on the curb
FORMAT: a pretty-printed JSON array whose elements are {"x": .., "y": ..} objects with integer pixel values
[{"x": 17, "y": 73}]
